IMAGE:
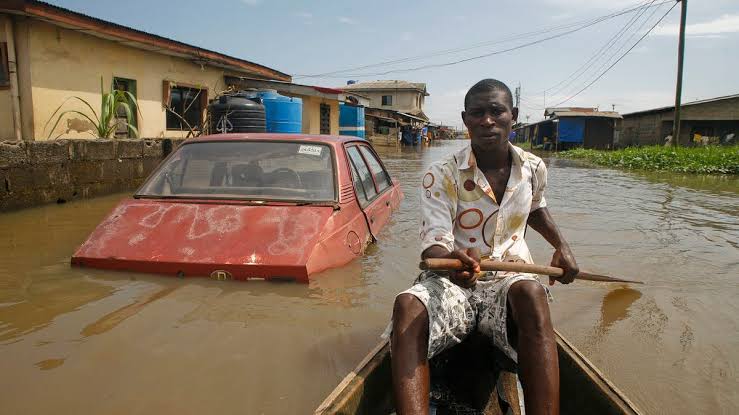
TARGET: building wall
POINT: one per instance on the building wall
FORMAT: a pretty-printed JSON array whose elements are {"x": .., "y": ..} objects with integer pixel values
[
  {"x": 312, "y": 115},
  {"x": 39, "y": 172},
  {"x": 63, "y": 63},
  {"x": 652, "y": 128},
  {"x": 6, "y": 109},
  {"x": 404, "y": 101}
]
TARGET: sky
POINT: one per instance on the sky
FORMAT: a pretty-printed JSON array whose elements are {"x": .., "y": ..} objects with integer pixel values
[{"x": 323, "y": 36}]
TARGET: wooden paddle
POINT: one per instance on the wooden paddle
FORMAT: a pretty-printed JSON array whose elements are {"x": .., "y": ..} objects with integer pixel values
[{"x": 443, "y": 264}]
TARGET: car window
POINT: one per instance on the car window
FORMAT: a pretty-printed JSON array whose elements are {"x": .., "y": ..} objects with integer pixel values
[
  {"x": 358, "y": 187},
  {"x": 381, "y": 177},
  {"x": 365, "y": 177},
  {"x": 262, "y": 170}
]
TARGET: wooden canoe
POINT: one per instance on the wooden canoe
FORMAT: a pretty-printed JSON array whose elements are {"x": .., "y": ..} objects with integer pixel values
[{"x": 584, "y": 389}]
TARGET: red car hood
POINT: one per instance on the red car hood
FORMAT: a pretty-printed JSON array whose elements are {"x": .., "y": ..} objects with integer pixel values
[{"x": 222, "y": 240}]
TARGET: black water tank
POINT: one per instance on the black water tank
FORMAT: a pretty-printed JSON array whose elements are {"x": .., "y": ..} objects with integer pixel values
[{"x": 237, "y": 113}]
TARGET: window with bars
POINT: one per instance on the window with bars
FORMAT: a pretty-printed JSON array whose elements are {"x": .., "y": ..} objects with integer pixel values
[
  {"x": 325, "y": 119},
  {"x": 387, "y": 100},
  {"x": 186, "y": 105},
  {"x": 129, "y": 85},
  {"x": 4, "y": 66}
]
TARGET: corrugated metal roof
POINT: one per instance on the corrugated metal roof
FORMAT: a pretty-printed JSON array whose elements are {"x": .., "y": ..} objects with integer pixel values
[
  {"x": 599, "y": 114},
  {"x": 131, "y": 37},
  {"x": 385, "y": 85},
  {"x": 672, "y": 107}
]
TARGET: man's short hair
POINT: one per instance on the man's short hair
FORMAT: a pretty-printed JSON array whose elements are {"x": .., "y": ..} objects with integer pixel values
[{"x": 489, "y": 85}]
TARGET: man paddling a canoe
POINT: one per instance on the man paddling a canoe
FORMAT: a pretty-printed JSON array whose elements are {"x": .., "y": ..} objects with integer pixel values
[{"x": 480, "y": 200}]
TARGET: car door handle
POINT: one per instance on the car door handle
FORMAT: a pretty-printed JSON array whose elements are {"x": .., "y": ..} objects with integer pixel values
[{"x": 387, "y": 203}]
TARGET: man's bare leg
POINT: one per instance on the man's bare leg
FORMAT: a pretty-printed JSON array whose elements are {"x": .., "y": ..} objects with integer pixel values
[
  {"x": 537, "y": 348},
  {"x": 409, "y": 349}
]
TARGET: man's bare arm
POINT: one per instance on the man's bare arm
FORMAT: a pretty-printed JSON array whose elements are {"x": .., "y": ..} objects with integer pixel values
[
  {"x": 469, "y": 257},
  {"x": 542, "y": 222}
]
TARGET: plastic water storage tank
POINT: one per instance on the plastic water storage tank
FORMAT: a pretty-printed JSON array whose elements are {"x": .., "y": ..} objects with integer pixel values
[
  {"x": 351, "y": 120},
  {"x": 237, "y": 113},
  {"x": 284, "y": 114}
]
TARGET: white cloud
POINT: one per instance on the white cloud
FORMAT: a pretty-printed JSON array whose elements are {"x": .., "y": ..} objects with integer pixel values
[
  {"x": 251, "y": 2},
  {"x": 347, "y": 20},
  {"x": 727, "y": 23},
  {"x": 562, "y": 16},
  {"x": 592, "y": 4},
  {"x": 305, "y": 16},
  {"x": 406, "y": 36}
]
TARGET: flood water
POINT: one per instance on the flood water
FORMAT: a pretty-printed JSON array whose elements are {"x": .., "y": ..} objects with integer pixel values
[{"x": 81, "y": 341}]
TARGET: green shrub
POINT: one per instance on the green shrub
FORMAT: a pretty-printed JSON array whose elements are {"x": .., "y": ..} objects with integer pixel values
[{"x": 704, "y": 160}]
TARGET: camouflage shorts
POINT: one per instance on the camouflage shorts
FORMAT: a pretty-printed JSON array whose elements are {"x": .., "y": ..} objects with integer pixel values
[{"x": 454, "y": 312}]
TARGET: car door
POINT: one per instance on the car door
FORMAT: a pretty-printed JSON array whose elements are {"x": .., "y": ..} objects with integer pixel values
[{"x": 376, "y": 192}]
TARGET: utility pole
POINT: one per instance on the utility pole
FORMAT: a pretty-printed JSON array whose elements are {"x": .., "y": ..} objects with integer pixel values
[
  {"x": 518, "y": 96},
  {"x": 679, "y": 86},
  {"x": 613, "y": 107}
]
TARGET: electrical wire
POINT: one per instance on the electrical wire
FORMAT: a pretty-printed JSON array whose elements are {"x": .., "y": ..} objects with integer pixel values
[
  {"x": 583, "y": 25},
  {"x": 553, "y": 90},
  {"x": 619, "y": 59}
]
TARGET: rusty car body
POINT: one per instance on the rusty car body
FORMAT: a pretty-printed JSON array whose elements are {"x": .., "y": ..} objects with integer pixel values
[{"x": 243, "y": 206}]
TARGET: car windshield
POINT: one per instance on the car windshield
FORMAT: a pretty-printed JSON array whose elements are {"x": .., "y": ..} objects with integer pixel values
[{"x": 253, "y": 170}]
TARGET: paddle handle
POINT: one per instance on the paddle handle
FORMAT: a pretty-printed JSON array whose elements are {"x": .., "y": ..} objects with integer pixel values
[{"x": 446, "y": 264}]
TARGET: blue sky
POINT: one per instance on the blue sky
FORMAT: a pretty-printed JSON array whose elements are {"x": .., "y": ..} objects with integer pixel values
[{"x": 315, "y": 37}]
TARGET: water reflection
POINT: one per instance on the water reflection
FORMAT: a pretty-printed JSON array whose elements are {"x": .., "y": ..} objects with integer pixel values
[
  {"x": 615, "y": 307},
  {"x": 280, "y": 348},
  {"x": 38, "y": 302}
]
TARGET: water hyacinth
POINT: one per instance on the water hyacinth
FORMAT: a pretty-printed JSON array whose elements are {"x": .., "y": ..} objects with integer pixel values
[{"x": 703, "y": 160}]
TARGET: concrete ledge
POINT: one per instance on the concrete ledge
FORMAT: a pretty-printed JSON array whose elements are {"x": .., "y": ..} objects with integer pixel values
[
  {"x": 13, "y": 153},
  {"x": 130, "y": 149},
  {"x": 153, "y": 148},
  {"x": 38, "y": 172},
  {"x": 46, "y": 152}
]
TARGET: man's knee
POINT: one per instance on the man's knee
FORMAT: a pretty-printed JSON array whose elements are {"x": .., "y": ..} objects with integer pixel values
[
  {"x": 409, "y": 306},
  {"x": 528, "y": 301},
  {"x": 409, "y": 311}
]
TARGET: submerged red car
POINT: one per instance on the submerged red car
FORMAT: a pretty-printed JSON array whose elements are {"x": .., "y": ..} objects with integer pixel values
[{"x": 242, "y": 206}]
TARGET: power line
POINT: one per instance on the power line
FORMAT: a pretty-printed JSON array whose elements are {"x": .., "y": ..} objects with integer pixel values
[
  {"x": 600, "y": 53},
  {"x": 617, "y": 51},
  {"x": 619, "y": 59},
  {"x": 608, "y": 46},
  {"x": 584, "y": 24}
]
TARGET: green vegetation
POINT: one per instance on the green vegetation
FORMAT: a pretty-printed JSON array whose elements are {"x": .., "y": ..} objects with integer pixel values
[
  {"x": 106, "y": 123},
  {"x": 702, "y": 160}
]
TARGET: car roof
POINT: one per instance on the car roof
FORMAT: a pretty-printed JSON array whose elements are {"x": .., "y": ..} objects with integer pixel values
[{"x": 311, "y": 138}]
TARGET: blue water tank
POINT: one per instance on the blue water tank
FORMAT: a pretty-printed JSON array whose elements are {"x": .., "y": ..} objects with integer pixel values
[
  {"x": 351, "y": 120},
  {"x": 284, "y": 114}
]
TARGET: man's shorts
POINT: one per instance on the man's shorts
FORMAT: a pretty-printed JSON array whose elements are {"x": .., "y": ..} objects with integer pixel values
[{"x": 454, "y": 312}]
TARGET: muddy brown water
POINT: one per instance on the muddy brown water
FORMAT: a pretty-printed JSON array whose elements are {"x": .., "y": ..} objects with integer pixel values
[{"x": 81, "y": 341}]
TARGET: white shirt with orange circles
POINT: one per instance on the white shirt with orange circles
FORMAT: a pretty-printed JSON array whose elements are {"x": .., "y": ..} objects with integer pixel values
[{"x": 459, "y": 210}]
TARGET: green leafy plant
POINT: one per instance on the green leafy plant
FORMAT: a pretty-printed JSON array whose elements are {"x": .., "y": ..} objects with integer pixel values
[
  {"x": 700, "y": 160},
  {"x": 105, "y": 123}
]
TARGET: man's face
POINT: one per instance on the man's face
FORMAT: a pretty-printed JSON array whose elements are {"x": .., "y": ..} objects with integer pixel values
[{"x": 489, "y": 119}]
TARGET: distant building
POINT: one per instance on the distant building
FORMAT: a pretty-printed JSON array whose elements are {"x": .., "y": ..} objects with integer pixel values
[
  {"x": 401, "y": 96},
  {"x": 714, "y": 120},
  {"x": 571, "y": 127},
  {"x": 48, "y": 53}
]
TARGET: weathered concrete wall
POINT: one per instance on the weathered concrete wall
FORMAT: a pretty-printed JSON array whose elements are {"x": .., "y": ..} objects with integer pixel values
[
  {"x": 312, "y": 115},
  {"x": 34, "y": 173},
  {"x": 403, "y": 101}
]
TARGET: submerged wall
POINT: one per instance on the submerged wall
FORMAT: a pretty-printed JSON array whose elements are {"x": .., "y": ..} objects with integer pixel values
[{"x": 37, "y": 172}]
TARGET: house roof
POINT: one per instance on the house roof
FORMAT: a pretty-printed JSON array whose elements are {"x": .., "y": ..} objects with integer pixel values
[
  {"x": 601, "y": 114},
  {"x": 284, "y": 87},
  {"x": 134, "y": 38},
  {"x": 386, "y": 85},
  {"x": 687, "y": 104}
]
